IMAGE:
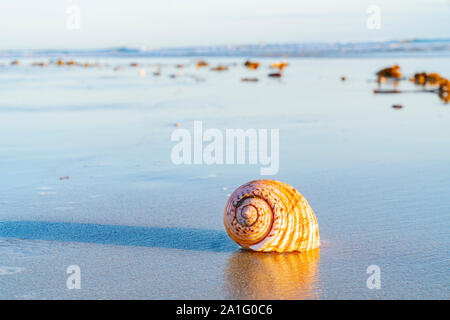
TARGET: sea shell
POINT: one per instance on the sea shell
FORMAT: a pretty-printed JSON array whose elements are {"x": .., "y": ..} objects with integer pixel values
[{"x": 268, "y": 215}]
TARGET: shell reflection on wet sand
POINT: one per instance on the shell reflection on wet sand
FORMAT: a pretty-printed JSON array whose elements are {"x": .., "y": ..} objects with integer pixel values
[{"x": 255, "y": 275}]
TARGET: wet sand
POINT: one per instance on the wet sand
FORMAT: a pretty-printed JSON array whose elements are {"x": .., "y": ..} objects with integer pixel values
[{"x": 141, "y": 227}]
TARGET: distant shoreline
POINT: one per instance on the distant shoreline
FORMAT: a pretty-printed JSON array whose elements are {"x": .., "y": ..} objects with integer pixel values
[{"x": 410, "y": 47}]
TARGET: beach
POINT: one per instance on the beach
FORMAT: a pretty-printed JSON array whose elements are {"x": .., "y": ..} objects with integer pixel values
[{"x": 87, "y": 179}]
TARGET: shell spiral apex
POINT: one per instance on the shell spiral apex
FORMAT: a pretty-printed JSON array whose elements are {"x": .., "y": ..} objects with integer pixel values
[{"x": 269, "y": 215}]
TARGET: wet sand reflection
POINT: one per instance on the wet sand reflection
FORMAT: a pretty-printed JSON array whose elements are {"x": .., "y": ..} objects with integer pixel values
[{"x": 255, "y": 275}]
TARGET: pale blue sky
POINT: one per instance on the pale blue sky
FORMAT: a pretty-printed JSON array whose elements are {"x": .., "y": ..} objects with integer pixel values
[{"x": 41, "y": 24}]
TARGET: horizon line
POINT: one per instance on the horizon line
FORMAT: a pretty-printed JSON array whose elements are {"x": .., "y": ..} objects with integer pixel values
[{"x": 149, "y": 48}]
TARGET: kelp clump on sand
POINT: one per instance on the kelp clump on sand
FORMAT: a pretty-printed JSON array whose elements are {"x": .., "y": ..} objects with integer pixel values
[{"x": 430, "y": 82}]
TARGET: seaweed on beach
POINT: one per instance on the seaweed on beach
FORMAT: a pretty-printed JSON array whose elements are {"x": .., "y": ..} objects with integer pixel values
[{"x": 429, "y": 82}]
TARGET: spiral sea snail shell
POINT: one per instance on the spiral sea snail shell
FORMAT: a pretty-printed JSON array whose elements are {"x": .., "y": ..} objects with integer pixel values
[{"x": 269, "y": 215}]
